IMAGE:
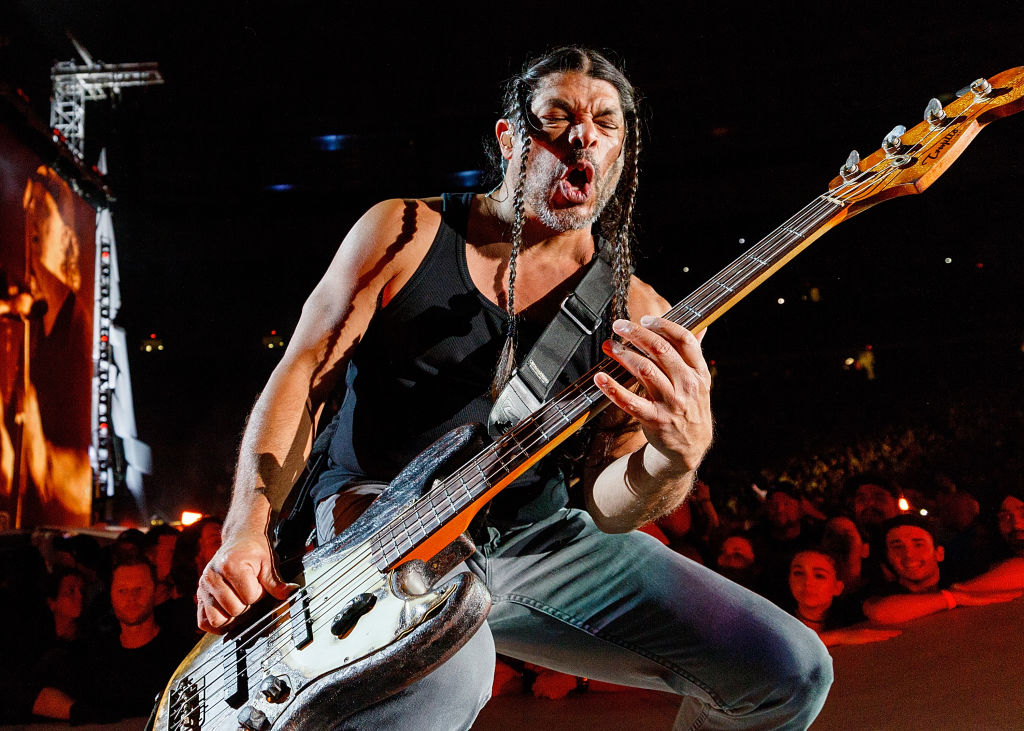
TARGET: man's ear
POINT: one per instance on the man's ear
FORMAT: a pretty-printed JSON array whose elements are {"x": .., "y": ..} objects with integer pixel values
[
  {"x": 940, "y": 554},
  {"x": 506, "y": 138},
  {"x": 838, "y": 588},
  {"x": 865, "y": 549}
]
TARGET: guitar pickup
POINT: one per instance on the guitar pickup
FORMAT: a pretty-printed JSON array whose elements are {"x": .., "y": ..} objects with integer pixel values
[{"x": 300, "y": 620}]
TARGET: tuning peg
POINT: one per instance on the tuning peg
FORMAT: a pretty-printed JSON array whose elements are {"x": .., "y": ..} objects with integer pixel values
[
  {"x": 933, "y": 113},
  {"x": 981, "y": 87},
  {"x": 852, "y": 166},
  {"x": 892, "y": 141}
]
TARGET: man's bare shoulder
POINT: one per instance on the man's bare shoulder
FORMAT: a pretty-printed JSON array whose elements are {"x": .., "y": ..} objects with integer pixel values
[
  {"x": 400, "y": 219},
  {"x": 645, "y": 300}
]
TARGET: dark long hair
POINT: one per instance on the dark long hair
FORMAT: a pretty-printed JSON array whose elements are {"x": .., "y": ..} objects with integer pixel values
[{"x": 615, "y": 223}]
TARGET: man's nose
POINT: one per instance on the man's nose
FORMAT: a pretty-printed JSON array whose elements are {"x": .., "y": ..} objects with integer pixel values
[{"x": 583, "y": 134}]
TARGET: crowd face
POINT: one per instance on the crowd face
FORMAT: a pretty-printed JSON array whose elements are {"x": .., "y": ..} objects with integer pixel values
[
  {"x": 576, "y": 157},
  {"x": 163, "y": 555},
  {"x": 209, "y": 542},
  {"x": 783, "y": 510},
  {"x": 69, "y": 599},
  {"x": 813, "y": 581},
  {"x": 132, "y": 594},
  {"x": 736, "y": 553},
  {"x": 873, "y": 505},
  {"x": 912, "y": 554},
  {"x": 1011, "y": 523}
]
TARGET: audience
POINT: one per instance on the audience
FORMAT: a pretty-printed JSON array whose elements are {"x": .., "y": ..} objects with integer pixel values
[{"x": 119, "y": 675}]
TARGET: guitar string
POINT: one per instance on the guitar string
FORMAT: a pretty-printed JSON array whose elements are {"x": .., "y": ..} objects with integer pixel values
[{"x": 701, "y": 300}]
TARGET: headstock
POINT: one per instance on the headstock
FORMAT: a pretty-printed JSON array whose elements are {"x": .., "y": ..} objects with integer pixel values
[{"x": 910, "y": 160}]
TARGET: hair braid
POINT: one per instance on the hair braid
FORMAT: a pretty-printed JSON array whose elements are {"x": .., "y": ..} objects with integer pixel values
[
  {"x": 615, "y": 223},
  {"x": 507, "y": 359},
  {"x": 623, "y": 258}
]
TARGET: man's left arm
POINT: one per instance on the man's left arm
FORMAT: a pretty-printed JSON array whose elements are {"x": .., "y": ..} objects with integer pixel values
[{"x": 653, "y": 468}]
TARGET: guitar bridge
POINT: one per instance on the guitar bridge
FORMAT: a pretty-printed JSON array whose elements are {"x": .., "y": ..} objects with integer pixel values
[{"x": 187, "y": 704}]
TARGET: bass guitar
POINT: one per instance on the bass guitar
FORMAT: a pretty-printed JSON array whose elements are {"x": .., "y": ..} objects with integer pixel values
[{"x": 370, "y": 616}]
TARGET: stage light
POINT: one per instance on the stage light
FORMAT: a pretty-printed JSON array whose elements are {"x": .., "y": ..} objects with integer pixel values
[
  {"x": 948, "y": 260},
  {"x": 904, "y": 504},
  {"x": 922, "y": 511},
  {"x": 188, "y": 517},
  {"x": 781, "y": 300},
  {"x": 686, "y": 270}
]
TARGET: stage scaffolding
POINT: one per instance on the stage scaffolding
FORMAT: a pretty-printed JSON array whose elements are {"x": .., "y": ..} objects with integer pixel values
[{"x": 117, "y": 456}]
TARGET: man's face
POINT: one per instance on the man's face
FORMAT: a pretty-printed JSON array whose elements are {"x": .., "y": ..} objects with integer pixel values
[
  {"x": 53, "y": 244},
  {"x": 783, "y": 510},
  {"x": 576, "y": 156},
  {"x": 132, "y": 594},
  {"x": 813, "y": 581},
  {"x": 873, "y": 505},
  {"x": 1011, "y": 524},
  {"x": 736, "y": 553},
  {"x": 913, "y": 556}
]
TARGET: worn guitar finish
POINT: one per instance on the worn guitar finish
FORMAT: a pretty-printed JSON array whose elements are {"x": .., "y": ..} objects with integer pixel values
[{"x": 367, "y": 619}]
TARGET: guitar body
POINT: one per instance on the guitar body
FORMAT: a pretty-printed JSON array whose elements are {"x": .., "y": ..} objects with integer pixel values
[{"x": 352, "y": 635}]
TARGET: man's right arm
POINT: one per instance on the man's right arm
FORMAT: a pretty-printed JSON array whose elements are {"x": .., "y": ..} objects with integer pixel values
[{"x": 280, "y": 429}]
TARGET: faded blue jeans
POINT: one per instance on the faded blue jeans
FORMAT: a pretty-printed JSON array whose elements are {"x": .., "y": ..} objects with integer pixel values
[{"x": 624, "y": 609}]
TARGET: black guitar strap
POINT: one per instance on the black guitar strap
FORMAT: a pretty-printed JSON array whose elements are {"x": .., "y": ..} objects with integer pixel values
[
  {"x": 533, "y": 382},
  {"x": 294, "y": 528}
]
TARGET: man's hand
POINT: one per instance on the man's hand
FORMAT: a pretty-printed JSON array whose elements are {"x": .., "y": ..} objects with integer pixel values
[
  {"x": 238, "y": 575},
  {"x": 667, "y": 361}
]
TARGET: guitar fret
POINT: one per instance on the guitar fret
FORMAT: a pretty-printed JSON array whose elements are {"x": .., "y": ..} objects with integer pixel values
[
  {"x": 759, "y": 260},
  {"x": 725, "y": 287}
]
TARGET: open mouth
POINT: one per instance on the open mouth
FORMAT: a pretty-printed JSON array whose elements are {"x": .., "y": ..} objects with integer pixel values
[{"x": 575, "y": 186}]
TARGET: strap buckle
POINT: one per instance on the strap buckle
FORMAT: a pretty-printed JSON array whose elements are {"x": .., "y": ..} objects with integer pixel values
[{"x": 582, "y": 311}]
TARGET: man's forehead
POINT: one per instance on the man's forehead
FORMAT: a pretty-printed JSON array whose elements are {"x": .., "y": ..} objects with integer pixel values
[
  {"x": 814, "y": 560},
  {"x": 577, "y": 89},
  {"x": 907, "y": 532},
  {"x": 130, "y": 574}
]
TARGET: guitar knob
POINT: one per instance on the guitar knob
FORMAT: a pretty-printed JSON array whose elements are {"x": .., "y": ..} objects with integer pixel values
[
  {"x": 852, "y": 166},
  {"x": 275, "y": 688},
  {"x": 252, "y": 719},
  {"x": 981, "y": 87},
  {"x": 933, "y": 113},
  {"x": 893, "y": 140}
]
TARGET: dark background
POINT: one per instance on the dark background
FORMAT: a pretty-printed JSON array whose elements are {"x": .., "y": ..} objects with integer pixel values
[{"x": 230, "y": 203}]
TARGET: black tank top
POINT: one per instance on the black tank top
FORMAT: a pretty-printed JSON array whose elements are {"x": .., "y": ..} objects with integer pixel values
[{"x": 424, "y": 366}]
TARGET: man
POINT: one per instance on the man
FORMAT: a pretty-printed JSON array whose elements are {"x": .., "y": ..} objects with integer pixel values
[
  {"x": 875, "y": 500},
  {"x": 56, "y": 436},
  {"x": 420, "y": 302},
  {"x": 913, "y": 555}
]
